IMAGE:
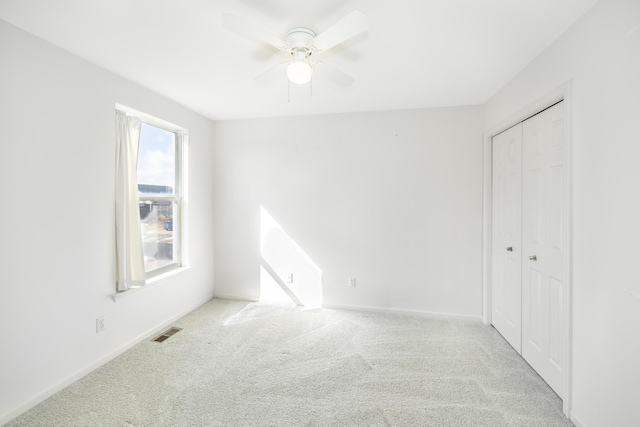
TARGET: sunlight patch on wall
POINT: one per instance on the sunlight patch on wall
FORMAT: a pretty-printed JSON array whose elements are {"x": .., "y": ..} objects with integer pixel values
[{"x": 281, "y": 256}]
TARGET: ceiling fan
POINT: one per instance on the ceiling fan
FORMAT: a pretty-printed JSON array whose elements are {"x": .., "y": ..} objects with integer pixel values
[{"x": 302, "y": 45}]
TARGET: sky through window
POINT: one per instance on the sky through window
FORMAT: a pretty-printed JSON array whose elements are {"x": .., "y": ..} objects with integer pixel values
[{"x": 156, "y": 157}]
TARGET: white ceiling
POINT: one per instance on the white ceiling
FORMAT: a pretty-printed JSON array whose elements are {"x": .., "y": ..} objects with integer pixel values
[{"x": 416, "y": 54}]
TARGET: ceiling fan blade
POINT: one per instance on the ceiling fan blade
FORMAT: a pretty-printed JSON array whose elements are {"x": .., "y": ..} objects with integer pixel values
[
  {"x": 348, "y": 27},
  {"x": 329, "y": 72},
  {"x": 248, "y": 29},
  {"x": 272, "y": 73}
]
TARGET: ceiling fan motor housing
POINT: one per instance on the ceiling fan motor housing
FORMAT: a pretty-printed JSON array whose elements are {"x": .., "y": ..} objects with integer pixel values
[{"x": 300, "y": 37}]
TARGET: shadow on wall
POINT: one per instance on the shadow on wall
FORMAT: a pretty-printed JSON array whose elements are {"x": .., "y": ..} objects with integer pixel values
[{"x": 287, "y": 273}]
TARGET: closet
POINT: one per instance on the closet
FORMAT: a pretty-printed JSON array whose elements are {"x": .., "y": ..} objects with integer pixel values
[{"x": 528, "y": 239}]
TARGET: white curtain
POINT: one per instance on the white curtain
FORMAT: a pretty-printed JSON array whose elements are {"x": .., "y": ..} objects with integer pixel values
[{"x": 129, "y": 255}]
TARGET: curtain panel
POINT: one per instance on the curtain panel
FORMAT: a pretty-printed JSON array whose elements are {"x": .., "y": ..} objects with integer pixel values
[{"x": 129, "y": 254}]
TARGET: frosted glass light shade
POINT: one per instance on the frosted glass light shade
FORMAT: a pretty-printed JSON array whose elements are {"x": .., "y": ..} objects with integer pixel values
[{"x": 299, "y": 72}]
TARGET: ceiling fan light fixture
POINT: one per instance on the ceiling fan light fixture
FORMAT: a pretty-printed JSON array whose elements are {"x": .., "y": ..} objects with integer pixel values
[{"x": 299, "y": 72}]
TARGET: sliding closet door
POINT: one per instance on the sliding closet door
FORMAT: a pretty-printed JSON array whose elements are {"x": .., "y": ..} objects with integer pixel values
[
  {"x": 543, "y": 260},
  {"x": 506, "y": 234}
]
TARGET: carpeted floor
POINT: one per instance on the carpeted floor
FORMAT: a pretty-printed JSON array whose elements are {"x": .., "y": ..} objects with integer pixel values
[{"x": 252, "y": 364}]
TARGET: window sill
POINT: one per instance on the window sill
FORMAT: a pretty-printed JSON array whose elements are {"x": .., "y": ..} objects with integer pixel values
[{"x": 152, "y": 282}]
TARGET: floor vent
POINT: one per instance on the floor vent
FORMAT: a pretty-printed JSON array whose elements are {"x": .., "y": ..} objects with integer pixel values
[{"x": 167, "y": 334}]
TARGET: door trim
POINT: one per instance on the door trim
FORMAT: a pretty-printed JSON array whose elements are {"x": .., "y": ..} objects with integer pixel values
[{"x": 563, "y": 93}]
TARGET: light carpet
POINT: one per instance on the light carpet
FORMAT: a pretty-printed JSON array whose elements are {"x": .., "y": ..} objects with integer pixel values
[{"x": 253, "y": 364}]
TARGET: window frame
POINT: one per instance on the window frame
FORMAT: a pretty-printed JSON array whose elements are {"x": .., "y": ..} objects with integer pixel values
[{"x": 179, "y": 194}]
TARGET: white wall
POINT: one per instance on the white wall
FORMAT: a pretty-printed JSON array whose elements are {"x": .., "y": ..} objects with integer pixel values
[
  {"x": 391, "y": 198},
  {"x": 57, "y": 165},
  {"x": 600, "y": 55}
]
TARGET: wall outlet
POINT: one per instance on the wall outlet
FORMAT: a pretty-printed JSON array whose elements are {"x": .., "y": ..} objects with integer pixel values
[
  {"x": 352, "y": 282},
  {"x": 289, "y": 278},
  {"x": 100, "y": 324}
]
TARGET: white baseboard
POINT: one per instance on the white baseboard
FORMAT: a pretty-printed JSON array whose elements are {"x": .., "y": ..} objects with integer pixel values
[
  {"x": 237, "y": 297},
  {"x": 44, "y": 395},
  {"x": 435, "y": 315}
]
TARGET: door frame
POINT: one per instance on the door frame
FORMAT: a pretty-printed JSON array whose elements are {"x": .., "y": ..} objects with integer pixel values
[{"x": 563, "y": 93}]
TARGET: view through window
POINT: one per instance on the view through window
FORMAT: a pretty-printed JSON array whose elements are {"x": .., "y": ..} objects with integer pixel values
[{"x": 159, "y": 196}]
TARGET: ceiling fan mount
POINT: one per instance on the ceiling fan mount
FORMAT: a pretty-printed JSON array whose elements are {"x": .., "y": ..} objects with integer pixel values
[{"x": 300, "y": 37}]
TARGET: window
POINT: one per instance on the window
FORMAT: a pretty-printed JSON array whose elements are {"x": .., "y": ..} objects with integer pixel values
[{"x": 149, "y": 197}]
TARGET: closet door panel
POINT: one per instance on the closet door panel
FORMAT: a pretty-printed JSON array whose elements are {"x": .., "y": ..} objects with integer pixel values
[
  {"x": 506, "y": 235},
  {"x": 543, "y": 231}
]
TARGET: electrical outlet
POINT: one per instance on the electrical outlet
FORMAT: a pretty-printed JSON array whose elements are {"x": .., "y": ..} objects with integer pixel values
[
  {"x": 352, "y": 282},
  {"x": 100, "y": 324},
  {"x": 289, "y": 277}
]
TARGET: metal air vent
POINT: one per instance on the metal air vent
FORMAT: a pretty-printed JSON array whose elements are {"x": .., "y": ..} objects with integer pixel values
[{"x": 166, "y": 334}]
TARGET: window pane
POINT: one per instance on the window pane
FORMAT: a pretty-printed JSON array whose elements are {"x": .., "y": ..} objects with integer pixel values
[
  {"x": 156, "y": 220},
  {"x": 156, "y": 160}
]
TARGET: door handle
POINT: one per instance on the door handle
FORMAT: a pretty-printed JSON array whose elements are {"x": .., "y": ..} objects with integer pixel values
[
  {"x": 533, "y": 257},
  {"x": 509, "y": 249}
]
